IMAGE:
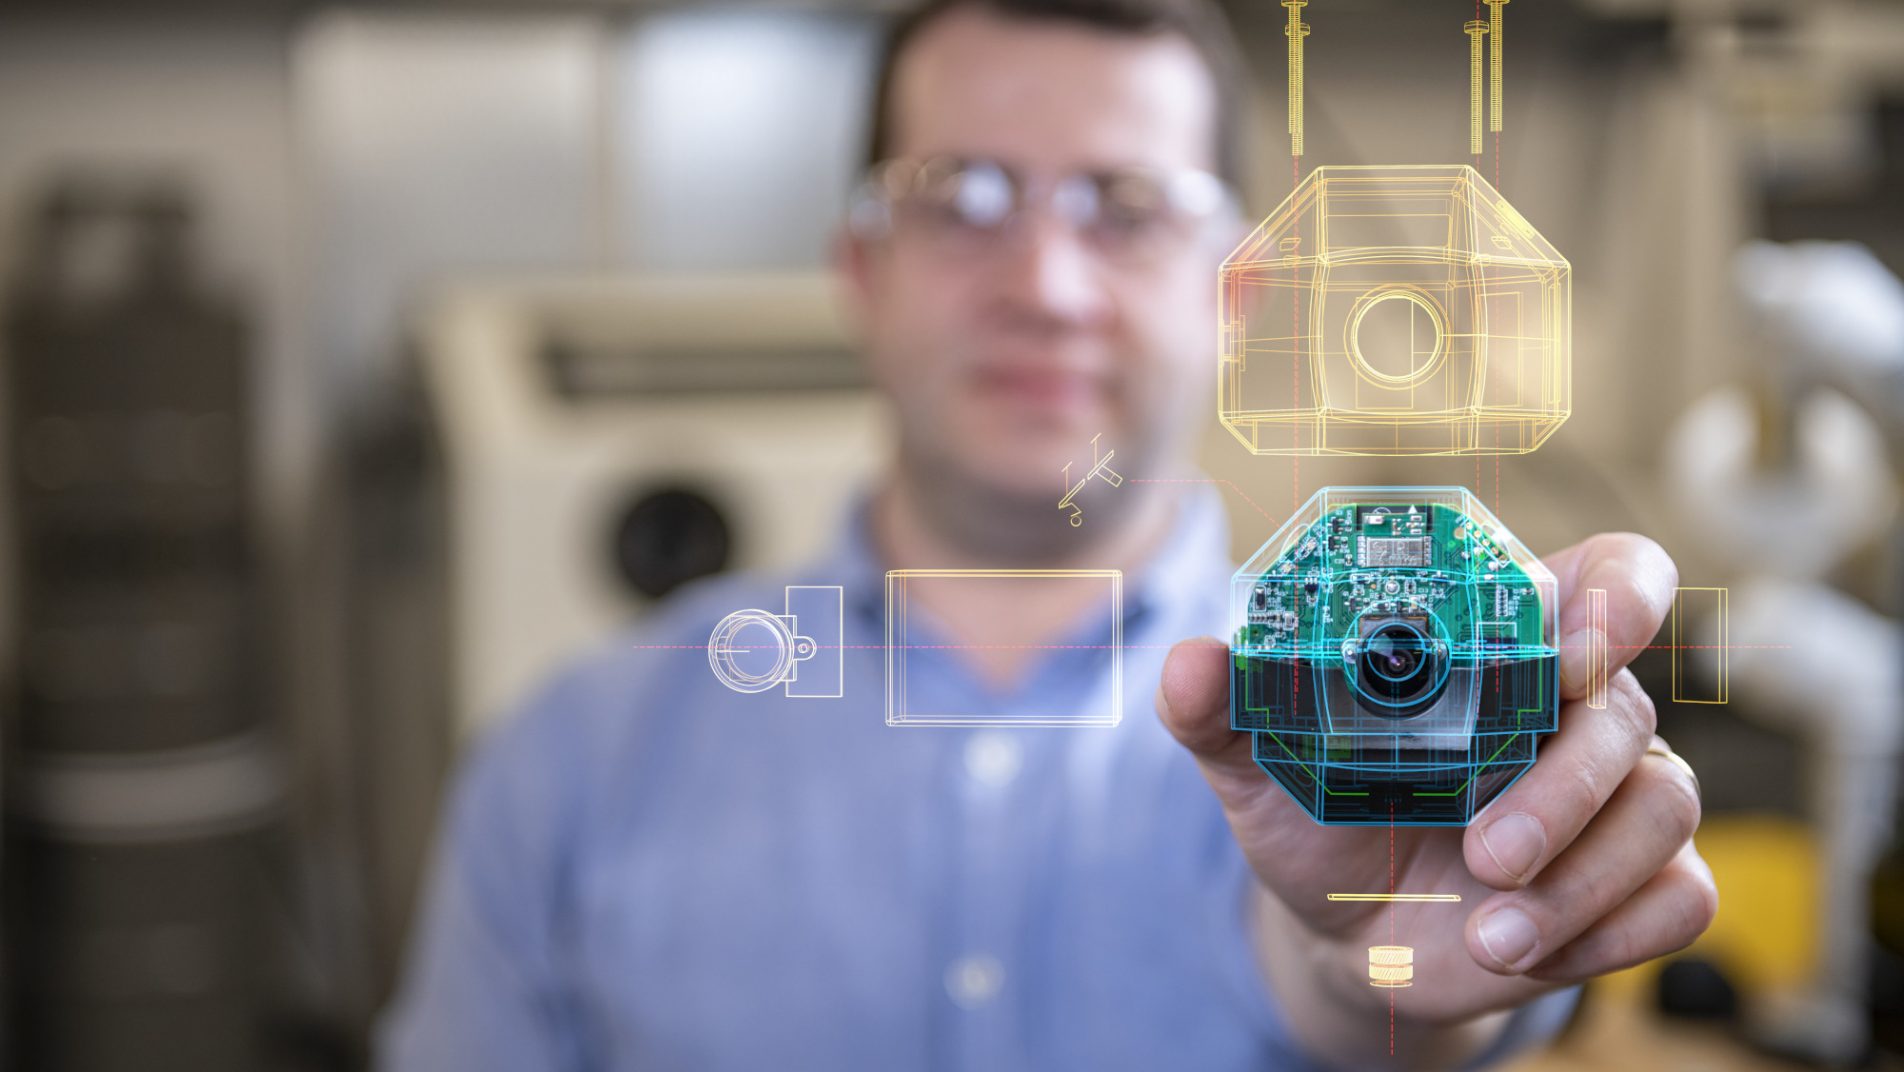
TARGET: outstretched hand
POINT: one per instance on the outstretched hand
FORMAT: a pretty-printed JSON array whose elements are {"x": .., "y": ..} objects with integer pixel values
[{"x": 1583, "y": 866}]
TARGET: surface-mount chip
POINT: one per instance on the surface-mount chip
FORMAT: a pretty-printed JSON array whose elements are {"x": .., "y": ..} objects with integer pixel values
[{"x": 1380, "y": 551}]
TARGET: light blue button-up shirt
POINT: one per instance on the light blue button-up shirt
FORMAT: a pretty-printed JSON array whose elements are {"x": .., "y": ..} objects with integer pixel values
[{"x": 646, "y": 870}]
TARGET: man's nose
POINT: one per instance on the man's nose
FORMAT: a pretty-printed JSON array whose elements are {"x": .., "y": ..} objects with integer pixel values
[{"x": 1049, "y": 272}]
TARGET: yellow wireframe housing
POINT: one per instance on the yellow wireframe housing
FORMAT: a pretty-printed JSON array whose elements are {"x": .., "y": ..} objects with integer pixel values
[{"x": 1395, "y": 311}]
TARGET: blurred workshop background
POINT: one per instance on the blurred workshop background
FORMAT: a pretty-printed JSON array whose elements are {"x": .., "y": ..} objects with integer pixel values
[{"x": 361, "y": 361}]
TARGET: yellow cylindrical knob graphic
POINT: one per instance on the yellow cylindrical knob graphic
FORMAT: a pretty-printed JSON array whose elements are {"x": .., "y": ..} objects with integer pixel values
[{"x": 1391, "y": 966}]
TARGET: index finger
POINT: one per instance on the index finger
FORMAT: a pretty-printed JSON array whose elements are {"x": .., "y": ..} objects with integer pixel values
[
  {"x": 1193, "y": 700},
  {"x": 1638, "y": 577}
]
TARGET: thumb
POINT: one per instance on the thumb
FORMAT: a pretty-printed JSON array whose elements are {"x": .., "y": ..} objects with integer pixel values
[
  {"x": 1193, "y": 701},
  {"x": 1639, "y": 578},
  {"x": 1285, "y": 848}
]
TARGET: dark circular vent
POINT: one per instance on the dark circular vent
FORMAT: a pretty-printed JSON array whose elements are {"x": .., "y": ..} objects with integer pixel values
[{"x": 668, "y": 537}]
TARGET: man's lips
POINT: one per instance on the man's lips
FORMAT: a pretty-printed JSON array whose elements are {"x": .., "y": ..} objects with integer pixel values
[{"x": 1047, "y": 388}]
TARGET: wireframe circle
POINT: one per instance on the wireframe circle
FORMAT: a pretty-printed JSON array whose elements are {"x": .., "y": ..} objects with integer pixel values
[
  {"x": 1412, "y": 685},
  {"x": 1413, "y": 304},
  {"x": 723, "y": 651}
]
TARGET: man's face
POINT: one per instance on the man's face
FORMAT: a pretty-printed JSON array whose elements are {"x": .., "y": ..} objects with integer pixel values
[{"x": 1005, "y": 357}]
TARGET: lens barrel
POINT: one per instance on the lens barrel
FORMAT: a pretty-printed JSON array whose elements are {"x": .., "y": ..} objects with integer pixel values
[{"x": 1400, "y": 668}]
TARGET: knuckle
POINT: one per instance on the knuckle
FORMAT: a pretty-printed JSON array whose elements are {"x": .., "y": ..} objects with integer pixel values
[
  {"x": 1643, "y": 556},
  {"x": 1685, "y": 809},
  {"x": 1644, "y": 574},
  {"x": 1708, "y": 899},
  {"x": 1596, "y": 893},
  {"x": 1582, "y": 892},
  {"x": 1620, "y": 944},
  {"x": 1648, "y": 549},
  {"x": 1618, "y": 544},
  {"x": 1696, "y": 904},
  {"x": 1582, "y": 792},
  {"x": 1692, "y": 809}
]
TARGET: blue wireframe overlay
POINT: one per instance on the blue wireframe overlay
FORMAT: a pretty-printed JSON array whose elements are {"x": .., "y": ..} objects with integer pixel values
[{"x": 1394, "y": 656}]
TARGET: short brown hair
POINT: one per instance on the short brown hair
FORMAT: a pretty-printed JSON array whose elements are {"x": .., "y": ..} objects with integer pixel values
[{"x": 1198, "y": 22}]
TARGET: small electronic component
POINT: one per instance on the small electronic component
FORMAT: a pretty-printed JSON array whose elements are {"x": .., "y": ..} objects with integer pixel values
[{"x": 1381, "y": 551}]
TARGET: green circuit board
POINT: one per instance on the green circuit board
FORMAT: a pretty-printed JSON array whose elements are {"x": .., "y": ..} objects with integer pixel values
[
  {"x": 1393, "y": 656},
  {"x": 1359, "y": 561}
]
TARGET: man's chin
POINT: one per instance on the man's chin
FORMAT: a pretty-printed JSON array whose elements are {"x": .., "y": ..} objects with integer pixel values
[
  {"x": 1006, "y": 500},
  {"x": 1016, "y": 457},
  {"x": 1033, "y": 477}
]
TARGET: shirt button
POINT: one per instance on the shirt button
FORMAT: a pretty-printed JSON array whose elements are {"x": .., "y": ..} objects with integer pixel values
[
  {"x": 992, "y": 758},
  {"x": 974, "y": 980}
]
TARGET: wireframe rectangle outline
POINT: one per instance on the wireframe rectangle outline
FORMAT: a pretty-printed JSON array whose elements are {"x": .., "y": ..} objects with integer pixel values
[
  {"x": 1599, "y": 653},
  {"x": 1682, "y": 643},
  {"x": 896, "y": 707},
  {"x": 830, "y": 647}
]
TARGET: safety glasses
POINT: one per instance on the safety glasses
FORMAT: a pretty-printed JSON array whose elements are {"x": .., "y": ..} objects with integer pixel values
[{"x": 967, "y": 207}]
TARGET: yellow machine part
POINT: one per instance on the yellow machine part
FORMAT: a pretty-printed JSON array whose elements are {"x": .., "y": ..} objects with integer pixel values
[{"x": 1765, "y": 937}]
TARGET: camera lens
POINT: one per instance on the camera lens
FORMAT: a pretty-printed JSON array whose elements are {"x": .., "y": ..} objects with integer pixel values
[
  {"x": 1399, "y": 670},
  {"x": 1396, "y": 653}
]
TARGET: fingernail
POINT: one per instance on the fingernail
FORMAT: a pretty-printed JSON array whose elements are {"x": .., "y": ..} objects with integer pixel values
[
  {"x": 1576, "y": 658},
  {"x": 1515, "y": 841},
  {"x": 1508, "y": 936}
]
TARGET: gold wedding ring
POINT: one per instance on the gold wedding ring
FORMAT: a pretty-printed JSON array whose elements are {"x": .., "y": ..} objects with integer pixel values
[{"x": 1659, "y": 748}]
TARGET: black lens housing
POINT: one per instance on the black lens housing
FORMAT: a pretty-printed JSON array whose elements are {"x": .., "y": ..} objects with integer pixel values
[{"x": 1401, "y": 670}]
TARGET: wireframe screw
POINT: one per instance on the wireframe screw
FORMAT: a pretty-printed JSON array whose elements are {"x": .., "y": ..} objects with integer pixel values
[
  {"x": 1494, "y": 62},
  {"x": 1295, "y": 31},
  {"x": 1475, "y": 29}
]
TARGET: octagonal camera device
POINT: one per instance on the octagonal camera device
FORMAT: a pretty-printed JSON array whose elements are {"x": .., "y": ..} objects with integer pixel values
[{"x": 1394, "y": 656}]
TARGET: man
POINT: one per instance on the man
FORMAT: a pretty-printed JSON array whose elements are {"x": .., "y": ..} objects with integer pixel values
[{"x": 648, "y": 871}]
